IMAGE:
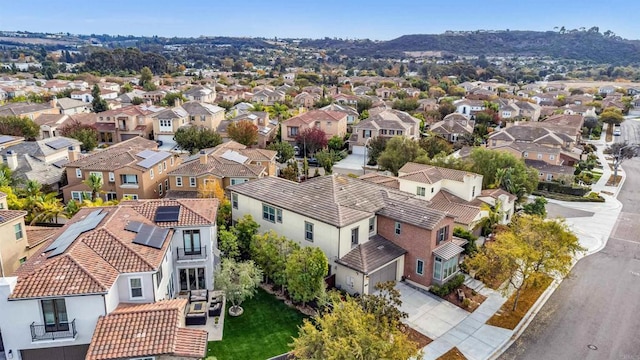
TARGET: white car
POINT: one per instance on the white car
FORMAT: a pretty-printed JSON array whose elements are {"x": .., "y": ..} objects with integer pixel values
[{"x": 616, "y": 130}]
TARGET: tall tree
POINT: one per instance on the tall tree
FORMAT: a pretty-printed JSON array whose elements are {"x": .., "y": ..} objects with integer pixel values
[
  {"x": 376, "y": 147},
  {"x": 435, "y": 145},
  {"x": 312, "y": 140},
  {"x": 245, "y": 229},
  {"x": 531, "y": 247},
  {"x": 146, "y": 79},
  {"x": 271, "y": 251},
  {"x": 238, "y": 280},
  {"x": 611, "y": 116},
  {"x": 85, "y": 133},
  {"x": 350, "y": 332},
  {"x": 193, "y": 139},
  {"x": 94, "y": 182},
  {"x": 399, "y": 151},
  {"x": 228, "y": 243},
  {"x": 536, "y": 208},
  {"x": 19, "y": 126},
  {"x": 284, "y": 149},
  {"x": 245, "y": 132},
  {"x": 305, "y": 272},
  {"x": 522, "y": 179},
  {"x": 98, "y": 103}
]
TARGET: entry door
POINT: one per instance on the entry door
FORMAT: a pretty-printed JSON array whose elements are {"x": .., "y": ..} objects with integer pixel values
[{"x": 192, "y": 279}]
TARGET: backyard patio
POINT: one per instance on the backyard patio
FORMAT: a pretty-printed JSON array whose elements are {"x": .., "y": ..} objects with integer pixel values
[{"x": 264, "y": 330}]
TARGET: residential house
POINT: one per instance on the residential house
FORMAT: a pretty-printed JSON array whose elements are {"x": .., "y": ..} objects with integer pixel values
[
  {"x": 529, "y": 110},
  {"x": 71, "y": 106},
  {"x": 345, "y": 99},
  {"x": 361, "y": 90},
  {"x": 50, "y": 124},
  {"x": 607, "y": 89},
  {"x": 469, "y": 107},
  {"x": 204, "y": 115},
  {"x": 201, "y": 94},
  {"x": 267, "y": 96},
  {"x": 370, "y": 233},
  {"x": 167, "y": 122},
  {"x": 154, "y": 96},
  {"x": 266, "y": 128},
  {"x": 127, "y": 98},
  {"x": 333, "y": 123},
  {"x": 227, "y": 164},
  {"x": 82, "y": 95},
  {"x": 132, "y": 168},
  {"x": 453, "y": 127},
  {"x": 352, "y": 114},
  {"x": 42, "y": 161},
  {"x": 428, "y": 104},
  {"x": 14, "y": 245},
  {"x": 28, "y": 110},
  {"x": 385, "y": 92},
  {"x": 549, "y": 172},
  {"x": 107, "y": 261},
  {"x": 125, "y": 123},
  {"x": 385, "y": 123},
  {"x": 306, "y": 99}
]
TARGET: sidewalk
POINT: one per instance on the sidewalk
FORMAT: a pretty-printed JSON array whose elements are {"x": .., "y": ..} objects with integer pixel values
[{"x": 478, "y": 341}]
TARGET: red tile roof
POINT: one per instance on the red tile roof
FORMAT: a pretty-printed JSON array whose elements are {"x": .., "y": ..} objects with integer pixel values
[{"x": 146, "y": 330}]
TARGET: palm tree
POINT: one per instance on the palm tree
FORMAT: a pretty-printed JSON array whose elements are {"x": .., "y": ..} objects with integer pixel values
[
  {"x": 94, "y": 182},
  {"x": 98, "y": 202},
  {"x": 47, "y": 208},
  {"x": 495, "y": 214},
  {"x": 71, "y": 209}
]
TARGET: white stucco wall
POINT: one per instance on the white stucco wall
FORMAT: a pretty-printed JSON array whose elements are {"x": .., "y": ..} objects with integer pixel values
[
  {"x": 464, "y": 189},
  {"x": 208, "y": 238},
  {"x": 16, "y": 316},
  {"x": 411, "y": 187},
  {"x": 147, "y": 287}
]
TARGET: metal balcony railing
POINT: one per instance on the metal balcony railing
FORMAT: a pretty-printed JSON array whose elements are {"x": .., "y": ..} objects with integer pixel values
[
  {"x": 192, "y": 254},
  {"x": 53, "y": 332}
]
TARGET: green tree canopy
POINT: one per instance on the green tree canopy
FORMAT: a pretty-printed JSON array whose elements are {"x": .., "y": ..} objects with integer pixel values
[
  {"x": 305, "y": 271},
  {"x": 94, "y": 182},
  {"x": 519, "y": 180},
  {"x": 399, "y": 151},
  {"x": 529, "y": 248},
  {"x": 245, "y": 229},
  {"x": 284, "y": 149},
  {"x": 98, "y": 103},
  {"x": 245, "y": 132},
  {"x": 271, "y": 252},
  {"x": 193, "y": 139},
  {"x": 85, "y": 133},
  {"x": 536, "y": 207},
  {"x": 611, "y": 116},
  {"x": 228, "y": 243},
  {"x": 238, "y": 280},
  {"x": 19, "y": 126},
  {"x": 434, "y": 145}
]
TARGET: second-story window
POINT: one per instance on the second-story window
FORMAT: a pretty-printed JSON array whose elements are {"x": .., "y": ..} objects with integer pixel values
[
  {"x": 442, "y": 234},
  {"x": 308, "y": 231},
  {"x": 191, "y": 241},
  {"x": 129, "y": 179},
  {"x": 398, "y": 228},
  {"x": 234, "y": 200},
  {"x": 112, "y": 177},
  {"x": 79, "y": 173},
  {"x": 151, "y": 173},
  {"x": 179, "y": 181},
  {"x": 135, "y": 287},
  {"x": 54, "y": 312},
  {"x": 159, "y": 168},
  {"x": 372, "y": 224},
  {"x": 421, "y": 191},
  {"x": 192, "y": 181},
  {"x": 17, "y": 229},
  {"x": 355, "y": 236}
]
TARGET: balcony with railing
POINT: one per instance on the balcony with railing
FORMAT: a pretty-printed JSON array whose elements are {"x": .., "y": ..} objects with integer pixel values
[
  {"x": 53, "y": 332},
  {"x": 185, "y": 254}
]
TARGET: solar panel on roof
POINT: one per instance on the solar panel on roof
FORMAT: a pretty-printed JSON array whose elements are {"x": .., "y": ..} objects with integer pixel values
[
  {"x": 5, "y": 138},
  {"x": 133, "y": 226},
  {"x": 234, "y": 156},
  {"x": 167, "y": 213},
  {"x": 62, "y": 242},
  {"x": 152, "y": 236},
  {"x": 146, "y": 153},
  {"x": 59, "y": 144},
  {"x": 154, "y": 159}
]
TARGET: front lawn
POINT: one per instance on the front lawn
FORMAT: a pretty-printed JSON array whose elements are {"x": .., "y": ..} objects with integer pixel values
[{"x": 263, "y": 331}]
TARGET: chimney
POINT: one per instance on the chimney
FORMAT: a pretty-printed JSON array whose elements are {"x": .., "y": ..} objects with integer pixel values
[
  {"x": 203, "y": 157},
  {"x": 73, "y": 154},
  {"x": 53, "y": 102},
  {"x": 12, "y": 159},
  {"x": 178, "y": 102}
]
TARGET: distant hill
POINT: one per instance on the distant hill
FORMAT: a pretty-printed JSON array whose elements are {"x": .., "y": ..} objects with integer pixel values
[{"x": 577, "y": 45}]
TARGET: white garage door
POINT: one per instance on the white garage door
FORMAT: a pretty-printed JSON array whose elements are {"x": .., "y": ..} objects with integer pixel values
[
  {"x": 387, "y": 273},
  {"x": 359, "y": 150}
]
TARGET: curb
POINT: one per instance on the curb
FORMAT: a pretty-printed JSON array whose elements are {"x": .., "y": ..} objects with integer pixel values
[{"x": 526, "y": 320}]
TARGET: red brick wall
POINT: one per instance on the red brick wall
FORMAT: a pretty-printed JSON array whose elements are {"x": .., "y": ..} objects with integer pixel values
[{"x": 419, "y": 244}]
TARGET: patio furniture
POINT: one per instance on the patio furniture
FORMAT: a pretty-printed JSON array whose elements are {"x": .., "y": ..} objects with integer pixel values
[
  {"x": 215, "y": 309},
  {"x": 198, "y": 295},
  {"x": 216, "y": 299},
  {"x": 196, "y": 313}
]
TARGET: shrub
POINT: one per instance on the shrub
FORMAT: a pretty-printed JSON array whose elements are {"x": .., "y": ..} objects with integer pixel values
[
  {"x": 554, "y": 187},
  {"x": 446, "y": 288},
  {"x": 466, "y": 302}
]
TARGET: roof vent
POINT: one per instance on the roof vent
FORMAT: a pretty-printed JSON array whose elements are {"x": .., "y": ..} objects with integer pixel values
[{"x": 380, "y": 247}]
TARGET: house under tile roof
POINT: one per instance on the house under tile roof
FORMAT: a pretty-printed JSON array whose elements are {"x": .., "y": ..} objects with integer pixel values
[
  {"x": 464, "y": 212},
  {"x": 371, "y": 255},
  {"x": 122, "y": 154},
  {"x": 145, "y": 330},
  {"x": 431, "y": 174},
  {"x": 381, "y": 179},
  {"x": 341, "y": 200},
  {"x": 91, "y": 262},
  {"x": 36, "y": 235}
]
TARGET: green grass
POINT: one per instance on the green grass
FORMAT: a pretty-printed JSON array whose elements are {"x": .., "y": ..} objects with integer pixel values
[{"x": 264, "y": 330}]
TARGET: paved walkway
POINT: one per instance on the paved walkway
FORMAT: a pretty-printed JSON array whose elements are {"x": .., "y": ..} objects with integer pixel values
[{"x": 450, "y": 326}]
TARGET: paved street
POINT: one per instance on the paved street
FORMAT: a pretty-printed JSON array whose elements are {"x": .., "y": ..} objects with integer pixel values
[{"x": 595, "y": 313}]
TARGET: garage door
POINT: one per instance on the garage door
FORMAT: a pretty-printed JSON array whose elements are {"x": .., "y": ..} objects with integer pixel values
[
  {"x": 358, "y": 150},
  {"x": 127, "y": 136},
  {"x": 387, "y": 273},
  {"x": 77, "y": 352}
]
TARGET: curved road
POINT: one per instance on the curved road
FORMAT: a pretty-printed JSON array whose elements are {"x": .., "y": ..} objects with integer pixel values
[{"x": 595, "y": 313}]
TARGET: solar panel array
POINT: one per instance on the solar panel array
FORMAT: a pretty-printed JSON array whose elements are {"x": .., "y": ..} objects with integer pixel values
[
  {"x": 148, "y": 235},
  {"x": 146, "y": 153},
  {"x": 167, "y": 213},
  {"x": 153, "y": 159},
  {"x": 5, "y": 138},
  {"x": 234, "y": 156},
  {"x": 62, "y": 242},
  {"x": 61, "y": 163},
  {"x": 59, "y": 144}
]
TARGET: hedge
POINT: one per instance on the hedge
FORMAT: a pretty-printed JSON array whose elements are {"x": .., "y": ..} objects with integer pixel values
[
  {"x": 446, "y": 288},
  {"x": 554, "y": 187}
]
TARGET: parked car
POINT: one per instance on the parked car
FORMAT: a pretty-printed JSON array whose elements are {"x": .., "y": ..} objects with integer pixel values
[
  {"x": 313, "y": 162},
  {"x": 616, "y": 130}
]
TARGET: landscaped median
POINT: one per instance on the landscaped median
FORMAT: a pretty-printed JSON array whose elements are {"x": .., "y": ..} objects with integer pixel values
[{"x": 507, "y": 318}]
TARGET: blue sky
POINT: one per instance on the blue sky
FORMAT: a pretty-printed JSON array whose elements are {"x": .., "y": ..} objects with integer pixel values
[{"x": 373, "y": 19}]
